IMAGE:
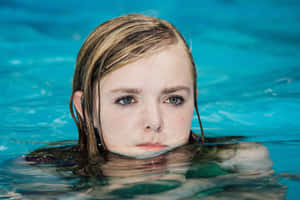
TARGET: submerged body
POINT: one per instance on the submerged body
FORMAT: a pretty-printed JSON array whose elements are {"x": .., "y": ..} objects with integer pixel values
[{"x": 223, "y": 167}]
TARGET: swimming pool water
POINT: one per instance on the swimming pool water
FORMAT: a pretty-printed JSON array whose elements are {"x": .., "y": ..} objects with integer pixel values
[{"x": 247, "y": 56}]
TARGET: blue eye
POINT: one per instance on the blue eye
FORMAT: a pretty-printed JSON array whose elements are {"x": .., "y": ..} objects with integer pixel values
[
  {"x": 175, "y": 100},
  {"x": 127, "y": 100}
]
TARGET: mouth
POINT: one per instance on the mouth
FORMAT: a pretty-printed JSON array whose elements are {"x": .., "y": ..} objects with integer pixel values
[{"x": 152, "y": 146}]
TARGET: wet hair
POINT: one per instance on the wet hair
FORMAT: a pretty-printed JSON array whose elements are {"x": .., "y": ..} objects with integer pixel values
[{"x": 111, "y": 45}]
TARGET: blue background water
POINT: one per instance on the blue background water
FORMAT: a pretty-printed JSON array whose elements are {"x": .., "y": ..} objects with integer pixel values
[{"x": 247, "y": 55}]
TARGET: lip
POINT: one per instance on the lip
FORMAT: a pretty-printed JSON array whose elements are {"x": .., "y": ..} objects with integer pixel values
[{"x": 152, "y": 146}]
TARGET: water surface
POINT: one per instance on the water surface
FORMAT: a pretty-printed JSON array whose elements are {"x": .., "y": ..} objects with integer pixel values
[{"x": 247, "y": 57}]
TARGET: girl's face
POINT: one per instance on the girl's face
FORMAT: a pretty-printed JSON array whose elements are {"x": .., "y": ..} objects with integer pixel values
[{"x": 147, "y": 106}]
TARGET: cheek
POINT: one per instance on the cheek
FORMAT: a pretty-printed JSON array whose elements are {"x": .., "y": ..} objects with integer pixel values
[
  {"x": 180, "y": 121},
  {"x": 112, "y": 124},
  {"x": 116, "y": 122}
]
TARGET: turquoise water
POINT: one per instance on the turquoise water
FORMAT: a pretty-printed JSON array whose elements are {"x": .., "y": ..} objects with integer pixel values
[{"x": 247, "y": 55}]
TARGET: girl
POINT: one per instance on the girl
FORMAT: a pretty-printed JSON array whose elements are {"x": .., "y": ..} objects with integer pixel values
[
  {"x": 134, "y": 88},
  {"x": 134, "y": 93}
]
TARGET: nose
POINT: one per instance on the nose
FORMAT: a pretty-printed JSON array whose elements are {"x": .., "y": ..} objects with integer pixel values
[{"x": 152, "y": 118}]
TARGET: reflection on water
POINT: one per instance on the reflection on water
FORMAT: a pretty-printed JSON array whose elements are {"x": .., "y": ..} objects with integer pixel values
[
  {"x": 227, "y": 170},
  {"x": 247, "y": 57}
]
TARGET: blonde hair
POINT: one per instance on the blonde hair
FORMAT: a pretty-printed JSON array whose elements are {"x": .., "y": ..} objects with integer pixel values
[{"x": 111, "y": 45}]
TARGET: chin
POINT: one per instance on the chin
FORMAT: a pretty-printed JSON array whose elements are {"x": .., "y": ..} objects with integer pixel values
[{"x": 143, "y": 154}]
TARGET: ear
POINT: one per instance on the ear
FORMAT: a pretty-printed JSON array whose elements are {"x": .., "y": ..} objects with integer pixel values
[{"x": 77, "y": 101}]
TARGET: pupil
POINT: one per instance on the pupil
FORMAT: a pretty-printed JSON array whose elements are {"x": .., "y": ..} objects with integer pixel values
[
  {"x": 127, "y": 100},
  {"x": 174, "y": 100}
]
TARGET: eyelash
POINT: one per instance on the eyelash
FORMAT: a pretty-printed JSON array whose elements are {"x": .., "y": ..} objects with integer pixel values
[
  {"x": 181, "y": 99},
  {"x": 133, "y": 101},
  {"x": 118, "y": 101}
]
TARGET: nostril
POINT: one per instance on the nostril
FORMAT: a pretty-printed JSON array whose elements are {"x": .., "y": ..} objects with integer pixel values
[
  {"x": 153, "y": 119},
  {"x": 153, "y": 128}
]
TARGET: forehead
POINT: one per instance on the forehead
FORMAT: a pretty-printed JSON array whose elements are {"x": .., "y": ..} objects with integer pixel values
[{"x": 167, "y": 67}]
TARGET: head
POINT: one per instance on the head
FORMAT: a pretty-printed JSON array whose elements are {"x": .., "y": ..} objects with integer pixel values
[{"x": 134, "y": 87}]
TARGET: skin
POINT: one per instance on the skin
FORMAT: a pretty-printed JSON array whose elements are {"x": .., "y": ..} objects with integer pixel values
[
  {"x": 147, "y": 106},
  {"x": 150, "y": 106}
]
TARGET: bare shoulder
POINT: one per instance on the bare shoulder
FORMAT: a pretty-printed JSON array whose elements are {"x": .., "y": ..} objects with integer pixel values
[{"x": 245, "y": 156}]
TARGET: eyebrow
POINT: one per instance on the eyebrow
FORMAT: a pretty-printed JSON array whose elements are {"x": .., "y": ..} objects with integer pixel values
[
  {"x": 164, "y": 91},
  {"x": 175, "y": 89},
  {"x": 127, "y": 90}
]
